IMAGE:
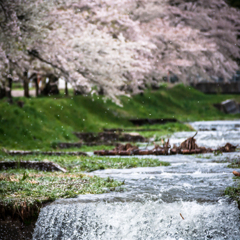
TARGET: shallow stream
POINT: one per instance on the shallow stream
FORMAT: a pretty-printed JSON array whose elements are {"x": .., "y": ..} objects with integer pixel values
[{"x": 183, "y": 201}]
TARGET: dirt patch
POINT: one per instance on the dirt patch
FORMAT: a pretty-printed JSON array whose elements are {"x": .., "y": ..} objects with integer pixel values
[{"x": 16, "y": 230}]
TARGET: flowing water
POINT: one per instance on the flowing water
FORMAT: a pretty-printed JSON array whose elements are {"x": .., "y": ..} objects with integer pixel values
[{"x": 182, "y": 201}]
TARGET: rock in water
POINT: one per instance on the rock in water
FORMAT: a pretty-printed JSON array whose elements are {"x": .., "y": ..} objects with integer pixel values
[{"x": 237, "y": 174}]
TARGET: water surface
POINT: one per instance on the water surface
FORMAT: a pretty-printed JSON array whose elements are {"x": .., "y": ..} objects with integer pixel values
[{"x": 182, "y": 201}]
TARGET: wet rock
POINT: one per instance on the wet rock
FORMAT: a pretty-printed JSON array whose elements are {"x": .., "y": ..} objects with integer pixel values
[
  {"x": 237, "y": 174},
  {"x": 42, "y": 166},
  {"x": 227, "y": 148},
  {"x": 229, "y": 106}
]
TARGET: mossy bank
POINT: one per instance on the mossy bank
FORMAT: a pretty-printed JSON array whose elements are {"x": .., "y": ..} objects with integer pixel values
[
  {"x": 24, "y": 191},
  {"x": 44, "y": 120}
]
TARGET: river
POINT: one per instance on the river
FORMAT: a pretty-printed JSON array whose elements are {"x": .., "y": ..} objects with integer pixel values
[{"x": 182, "y": 201}]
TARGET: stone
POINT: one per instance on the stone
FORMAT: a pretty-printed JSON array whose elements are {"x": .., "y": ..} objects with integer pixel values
[
  {"x": 42, "y": 166},
  {"x": 230, "y": 106}
]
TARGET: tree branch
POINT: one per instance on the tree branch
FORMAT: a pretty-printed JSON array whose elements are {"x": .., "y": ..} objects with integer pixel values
[
  {"x": 4, "y": 11},
  {"x": 35, "y": 54}
]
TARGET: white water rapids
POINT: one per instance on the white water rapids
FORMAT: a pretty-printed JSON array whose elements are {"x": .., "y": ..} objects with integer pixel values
[{"x": 182, "y": 201}]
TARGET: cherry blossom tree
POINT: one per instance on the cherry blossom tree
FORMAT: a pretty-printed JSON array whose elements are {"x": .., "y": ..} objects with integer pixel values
[
  {"x": 90, "y": 57},
  {"x": 118, "y": 46},
  {"x": 195, "y": 39},
  {"x": 72, "y": 47},
  {"x": 216, "y": 23},
  {"x": 21, "y": 25}
]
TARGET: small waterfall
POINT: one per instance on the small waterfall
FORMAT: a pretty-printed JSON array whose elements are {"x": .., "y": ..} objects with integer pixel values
[
  {"x": 135, "y": 220},
  {"x": 150, "y": 207}
]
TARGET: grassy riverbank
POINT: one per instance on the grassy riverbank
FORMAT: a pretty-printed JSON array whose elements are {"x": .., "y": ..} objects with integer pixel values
[
  {"x": 42, "y": 122},
  {"x": 45, "y": 120},
  {"x": 24, "y": 191},
  {"x": 75, "y": 164}
]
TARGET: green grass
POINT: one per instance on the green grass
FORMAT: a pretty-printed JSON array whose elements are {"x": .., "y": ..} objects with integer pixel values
[
  {"x": 23, "y": 192},
  {"x": 88, "y": 164},
  {"x": 21, "y": 184},
  {"x": 45, "y": 120},
  {"x": 234, "y": 191},
  {"x": 181, "y": 102}
]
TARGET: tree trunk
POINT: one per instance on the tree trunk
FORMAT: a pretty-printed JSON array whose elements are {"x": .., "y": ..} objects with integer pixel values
[
  {"x": 2, "y": 91},
  {"x": 36, "y": 81},
  {"x": 25, "y": 84},
  {"x": 36, "y": 87},
  {"x": 51, "y": 87},
  {"x": 66, "y": 88},
  {"x": 9, "y": 89}
]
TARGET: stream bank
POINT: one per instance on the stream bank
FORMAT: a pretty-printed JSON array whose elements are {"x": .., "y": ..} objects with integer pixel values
[{"x": 185, "y": 200}]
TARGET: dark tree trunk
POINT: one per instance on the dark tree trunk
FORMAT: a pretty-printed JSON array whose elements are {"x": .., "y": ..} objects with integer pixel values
[
  {"x": 9, "y": 90},
  {"x": 25, "y": 84},
  {"x": 36, "y": 87},
  {"x": 2, "y": 91},
  {"x": 101, "y": 91},
  {"x": 36, "y": 81},
  {"x": 77, "y": 92},
  {"x": 51, "y": 87},
  {"x": 66, "y": 88}
]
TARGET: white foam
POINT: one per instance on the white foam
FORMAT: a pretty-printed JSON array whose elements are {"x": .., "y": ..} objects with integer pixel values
[{"x": 134, "y": 220}]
